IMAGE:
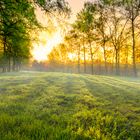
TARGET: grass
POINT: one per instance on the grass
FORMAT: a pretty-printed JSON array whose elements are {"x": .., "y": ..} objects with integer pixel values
[{"x": 58, "y": 106}]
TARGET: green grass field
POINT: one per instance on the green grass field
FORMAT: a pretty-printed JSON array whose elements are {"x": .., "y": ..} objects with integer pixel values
[{"x": 58, "y": 106}]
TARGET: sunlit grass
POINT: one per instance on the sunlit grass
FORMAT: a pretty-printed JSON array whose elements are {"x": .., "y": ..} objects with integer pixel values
[{"x": 58, "y": 106}]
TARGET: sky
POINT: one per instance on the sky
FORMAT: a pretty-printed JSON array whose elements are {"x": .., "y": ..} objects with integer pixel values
[
  {"x": 76, "y": 5},
  {"x": 40, "y": 50}
]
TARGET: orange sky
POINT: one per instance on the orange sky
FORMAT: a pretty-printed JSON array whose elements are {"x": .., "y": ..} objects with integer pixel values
[
  {"x": 40, "y": 50},
  {"x": 76, "y": 5}
]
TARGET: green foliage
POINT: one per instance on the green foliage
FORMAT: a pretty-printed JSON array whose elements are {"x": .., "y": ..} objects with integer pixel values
[
  {"x": 54, "y": 5},
  {"x": 55, "y": 106},
  {"x": 18, "y": 21},
  {"x": 84, "y": 21}
]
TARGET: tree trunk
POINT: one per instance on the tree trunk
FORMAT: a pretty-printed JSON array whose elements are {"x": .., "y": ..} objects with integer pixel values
[
  {"x": 126, "y": 62},
  {"x": 4, "y": 55},
  {"x": 133, "y": 50},
  {"x": 91, "y": 55},
  {"x": 105, "y": 58},
  {"x": 79, "y": 59},
  {"x": 14, "y": 64},
  {"x": 84, "y": 49},
  {"x": 85, "y": 60},
  {"x": 117, "y": 61},
  {"x": 9, "y": 64}
]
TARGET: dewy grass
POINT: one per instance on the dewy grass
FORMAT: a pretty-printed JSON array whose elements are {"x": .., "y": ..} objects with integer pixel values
[{"x": 57, "y": 106}]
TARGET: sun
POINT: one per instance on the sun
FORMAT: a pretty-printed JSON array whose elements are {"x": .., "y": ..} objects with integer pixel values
[{"x": 40, "y": 51}]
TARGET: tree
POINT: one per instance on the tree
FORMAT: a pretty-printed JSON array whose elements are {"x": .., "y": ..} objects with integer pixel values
[
  {"x": 117, "y": 25},
  {"x": 133, "y": 12},
  {"x": 73, "y": 39},
  {"x": 84, "y": 24},
  {"x": 101, "y": 27},
  {"x": 17, "y": 19}
]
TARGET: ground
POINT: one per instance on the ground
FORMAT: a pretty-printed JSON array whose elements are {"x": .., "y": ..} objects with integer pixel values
[{"x": 58, "y": 106}]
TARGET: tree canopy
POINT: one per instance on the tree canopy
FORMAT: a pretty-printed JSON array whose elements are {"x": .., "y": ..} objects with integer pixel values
[{"x": 17, "y": 19}]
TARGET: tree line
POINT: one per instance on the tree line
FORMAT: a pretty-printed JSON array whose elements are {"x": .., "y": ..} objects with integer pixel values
[
  {"x": 18, "y": 22},
  {"x": 105, "y": 32}
]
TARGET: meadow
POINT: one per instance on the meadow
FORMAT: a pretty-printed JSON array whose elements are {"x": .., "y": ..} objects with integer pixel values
[{"x": 60, "y": 106}]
